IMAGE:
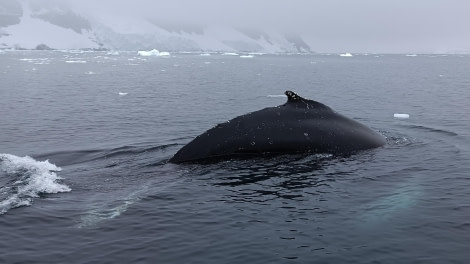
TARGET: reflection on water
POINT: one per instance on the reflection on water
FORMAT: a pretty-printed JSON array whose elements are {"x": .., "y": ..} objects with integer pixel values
[{"x": 292, "y": 177}]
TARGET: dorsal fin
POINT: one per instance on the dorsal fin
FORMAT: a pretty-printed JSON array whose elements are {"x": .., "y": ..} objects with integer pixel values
[
  {"x": 292, "y": 97},
  {"x": 298, "y": 101}
]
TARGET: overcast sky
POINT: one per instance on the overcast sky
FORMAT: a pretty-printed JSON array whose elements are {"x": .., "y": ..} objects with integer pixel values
[{"x": 334, "y": 25}]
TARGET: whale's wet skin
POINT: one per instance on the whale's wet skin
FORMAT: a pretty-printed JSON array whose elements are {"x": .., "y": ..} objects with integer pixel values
[
  {"x": 85, "y": 177},
  {"x": 300, "y": 125}
]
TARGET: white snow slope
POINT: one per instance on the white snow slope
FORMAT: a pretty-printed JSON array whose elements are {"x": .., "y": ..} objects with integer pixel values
[{"x": 60, "y": 27}]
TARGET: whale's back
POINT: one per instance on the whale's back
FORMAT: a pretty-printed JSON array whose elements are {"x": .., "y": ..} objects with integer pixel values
[{"x": 299, "y": 125}]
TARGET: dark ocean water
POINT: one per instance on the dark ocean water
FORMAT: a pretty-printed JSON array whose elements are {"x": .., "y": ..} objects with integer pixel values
[{"x": 85, "y": 139}]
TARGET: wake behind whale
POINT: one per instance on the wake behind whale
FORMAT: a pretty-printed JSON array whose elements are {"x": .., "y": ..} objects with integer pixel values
[{"x": 299, "y": 125}]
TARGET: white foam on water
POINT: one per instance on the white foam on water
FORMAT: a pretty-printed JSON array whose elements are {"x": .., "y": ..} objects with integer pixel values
[
  {"x": 26, "y": 178},
  {"x": 276, "y": 95},
  {"x": 106, "y": 212},
  {"x": 119, "y": 204}
]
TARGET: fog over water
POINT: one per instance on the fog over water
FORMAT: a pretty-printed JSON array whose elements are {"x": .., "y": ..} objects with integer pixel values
[
  {"x": 331, "y": 26},
  {"x": 362, "y": 26}
]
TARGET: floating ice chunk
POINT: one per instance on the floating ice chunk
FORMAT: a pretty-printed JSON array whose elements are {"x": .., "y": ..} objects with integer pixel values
[
  {"x": 411, "y": 55},
  {"x": 121, "y": 93},
  {"x": 75, "y": 61},
  {"x": 247, "y": 56},
  {"x": 115, "y": 53},
  {"x": 42, "y": 62},
  {"x": 230, "y": 54},
  {"x": 153, "y": 52},
  {"x": 276, "y": 95},
  {"x": 401, "y": 115},
  {"x": 204, "y": 54},
  {"x": 346, "y": 54}
]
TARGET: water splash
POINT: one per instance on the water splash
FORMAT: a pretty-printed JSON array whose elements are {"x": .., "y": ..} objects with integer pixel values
[{"x": 24, "y": 178}]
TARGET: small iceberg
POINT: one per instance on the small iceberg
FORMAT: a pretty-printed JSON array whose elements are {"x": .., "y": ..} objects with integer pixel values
[
  {"x": 276, "y": 95},
  {"x": 145, "y": 53},
  {"x": 411, "y": 55},
  {"x": 230, "y": 54},
  {"x": 153, "y": 52},
  {"x": 114, "y": 53},
  {"x": 345, "y": 55},
  {"x": 75, "y": 61},
  {"x": 401, "y": 115},
  {"x": 247, "y": 56},
  {"x": 122, "y": 94}
]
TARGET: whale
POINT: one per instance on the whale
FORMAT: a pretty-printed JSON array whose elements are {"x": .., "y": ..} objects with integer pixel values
[{"x": 299, "y": 125}]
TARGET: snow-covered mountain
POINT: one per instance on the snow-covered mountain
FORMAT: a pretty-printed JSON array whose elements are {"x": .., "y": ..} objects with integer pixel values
[{"x": 31, "y": 24}]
